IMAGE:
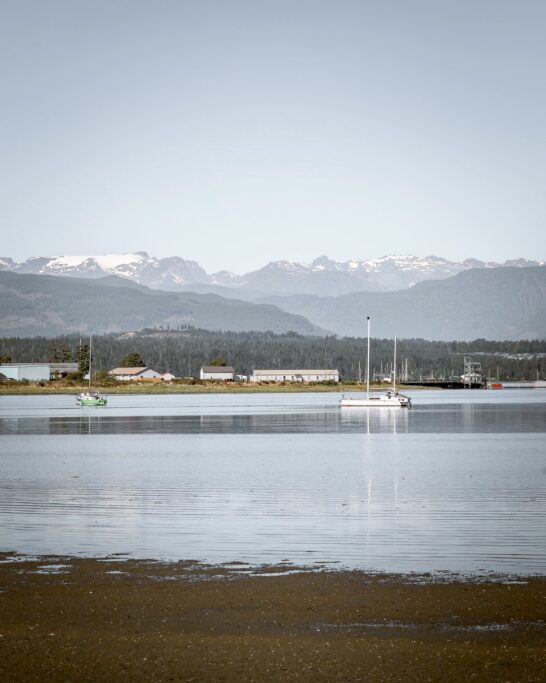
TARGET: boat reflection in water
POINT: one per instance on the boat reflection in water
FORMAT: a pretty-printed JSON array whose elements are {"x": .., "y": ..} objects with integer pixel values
[{"x": 373, "y": 421}]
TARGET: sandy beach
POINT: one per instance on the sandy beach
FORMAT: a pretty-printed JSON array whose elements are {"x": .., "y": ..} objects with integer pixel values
[{"x": 66, "y": 619}]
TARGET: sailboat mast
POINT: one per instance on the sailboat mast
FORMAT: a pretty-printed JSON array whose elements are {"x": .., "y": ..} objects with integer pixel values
[
  {"x": 368, "y": 362},
  {"x": 90, "y": 338},
  {"x": 394, "y": 368}
]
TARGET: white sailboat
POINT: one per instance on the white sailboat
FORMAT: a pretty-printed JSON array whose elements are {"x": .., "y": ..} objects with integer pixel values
[{"x": 388, "y": 399}]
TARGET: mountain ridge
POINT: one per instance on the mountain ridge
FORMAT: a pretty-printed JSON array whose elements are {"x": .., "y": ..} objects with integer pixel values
[
  {"x": 48, "y": 305},
  {"x": 499, "y": 303},
  {"x": 322, "y": 277}
]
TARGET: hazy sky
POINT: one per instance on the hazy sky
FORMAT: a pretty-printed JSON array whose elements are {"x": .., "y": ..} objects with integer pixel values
[{"x": 236, "y": 133}]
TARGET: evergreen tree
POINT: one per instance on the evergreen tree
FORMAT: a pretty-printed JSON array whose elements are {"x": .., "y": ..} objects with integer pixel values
[
  {"x": 83, "y": 360},
  {"x": 59, "y": 353},
  {"x": 132, "y": 360}
]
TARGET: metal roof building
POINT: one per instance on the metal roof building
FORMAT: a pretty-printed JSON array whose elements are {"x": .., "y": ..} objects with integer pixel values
[
  {"x": 217, "y": 372},
  {"x": 128, "y": 374},
  {"x": 37, "y": 372},
  {"x": 300, "y": 375}
]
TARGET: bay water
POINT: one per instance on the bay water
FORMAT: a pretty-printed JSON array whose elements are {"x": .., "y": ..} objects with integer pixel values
[{"x": 456, "y": 483}]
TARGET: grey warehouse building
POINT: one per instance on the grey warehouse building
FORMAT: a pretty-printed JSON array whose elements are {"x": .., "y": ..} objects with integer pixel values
[{"x": 37, "y": 372}]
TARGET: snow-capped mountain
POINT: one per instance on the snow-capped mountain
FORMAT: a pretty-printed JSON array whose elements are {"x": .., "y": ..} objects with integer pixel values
[
  {"x": 325, "y": 277},
  {"x": 168, "y": 273},
  {"x": 321, "y": 277}
]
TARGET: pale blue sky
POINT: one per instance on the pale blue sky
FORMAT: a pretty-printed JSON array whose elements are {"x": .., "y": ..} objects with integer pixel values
[{"x": 236, "y": 133}]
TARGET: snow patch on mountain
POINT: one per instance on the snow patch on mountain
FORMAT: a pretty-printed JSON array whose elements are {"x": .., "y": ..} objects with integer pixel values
[
  {"x": 6, "y": 263},
  {"x": 321, "y": 277},
  {"x": 225, "y": 278},
  {"x": 106, "y": 262}
]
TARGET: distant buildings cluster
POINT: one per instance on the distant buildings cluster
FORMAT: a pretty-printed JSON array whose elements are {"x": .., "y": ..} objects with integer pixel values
[{"x": 43, "y": 372}]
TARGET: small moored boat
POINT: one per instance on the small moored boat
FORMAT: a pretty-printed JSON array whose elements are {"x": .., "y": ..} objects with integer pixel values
[
  {"x": 89, "y": 397},
  {"x": 389, "y": 399}
]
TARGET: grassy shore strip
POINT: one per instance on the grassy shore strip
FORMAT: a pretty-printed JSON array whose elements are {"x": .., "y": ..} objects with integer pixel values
[
  {"x": 181, "y": 387},
  {"x": 93, "y": 620}
]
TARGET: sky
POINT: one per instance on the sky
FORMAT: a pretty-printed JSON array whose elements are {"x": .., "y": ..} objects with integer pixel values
[{"x": 236, "y": 133}]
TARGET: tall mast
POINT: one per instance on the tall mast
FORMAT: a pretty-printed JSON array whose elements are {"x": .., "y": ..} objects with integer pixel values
[
  {"x": 394, "y": 368},
  {"x": 90, "y": 363},
  {"x": 368, "y": 362}
]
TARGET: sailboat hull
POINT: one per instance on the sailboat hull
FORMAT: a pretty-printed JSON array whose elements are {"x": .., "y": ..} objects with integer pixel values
[
  {"x": 86, "y": 400},
  {"x": 394, "y": 401}
]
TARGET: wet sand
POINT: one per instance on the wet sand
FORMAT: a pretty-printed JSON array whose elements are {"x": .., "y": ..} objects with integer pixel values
[{"x": 111, "y": 620}]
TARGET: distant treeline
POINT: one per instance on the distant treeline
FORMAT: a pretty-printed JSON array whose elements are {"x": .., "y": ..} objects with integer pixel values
[{"x": 184, "y": 351}]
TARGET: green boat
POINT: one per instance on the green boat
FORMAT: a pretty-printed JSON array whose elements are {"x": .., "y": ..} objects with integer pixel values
[{"x": 89, "y": 397}]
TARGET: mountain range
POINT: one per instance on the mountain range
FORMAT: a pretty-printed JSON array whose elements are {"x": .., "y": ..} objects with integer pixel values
[
  {"x": 504, "y": 302},
  {"x": 321, "y": 277}
]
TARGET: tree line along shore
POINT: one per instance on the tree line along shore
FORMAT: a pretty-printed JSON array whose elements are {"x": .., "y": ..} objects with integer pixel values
[{"x": 183, "y": 352}]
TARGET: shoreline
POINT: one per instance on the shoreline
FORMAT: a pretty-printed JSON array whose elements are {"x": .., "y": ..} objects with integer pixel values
[
  {"x": 156, "y": 388},
  {"x": 124, "y": 619},
  {"x": 234, "y": 569}
]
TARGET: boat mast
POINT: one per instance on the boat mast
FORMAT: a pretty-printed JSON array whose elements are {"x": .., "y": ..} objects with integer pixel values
[
  {"x": 394, "y": 369},
  {"x": 368, "y": 363},
  {"x": 90, "y": 338}
]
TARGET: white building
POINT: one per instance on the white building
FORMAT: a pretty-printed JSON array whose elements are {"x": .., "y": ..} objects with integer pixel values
[
  {"x": 295, "y": 376},
  {"x": 37, "y": 372},
  {"x": 217, "y": 372},
  {"x": 131, "y": 374},
  {"x": 168, "y": 376}
]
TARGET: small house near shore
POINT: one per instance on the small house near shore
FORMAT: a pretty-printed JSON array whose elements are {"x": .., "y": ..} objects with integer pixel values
[
  {"x": 222, "y": 373},
  {"x": 295, "y": 376},
  {"x": 132, "y": 374}
]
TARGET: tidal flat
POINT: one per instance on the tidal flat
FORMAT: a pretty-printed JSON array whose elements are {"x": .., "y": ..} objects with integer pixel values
[{"x": 110, "y": 619}]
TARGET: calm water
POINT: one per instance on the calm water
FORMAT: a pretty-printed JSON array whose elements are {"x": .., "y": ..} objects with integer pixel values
[{"x": 455, "y": 483}]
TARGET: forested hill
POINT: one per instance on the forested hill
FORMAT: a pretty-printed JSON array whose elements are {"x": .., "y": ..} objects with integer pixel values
[
  {"x": 48, "y": 305},
  {"x": 183, "y": 352},
  {"x": 502, "y": 303},
  {"x": 496, "y": 303}
]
